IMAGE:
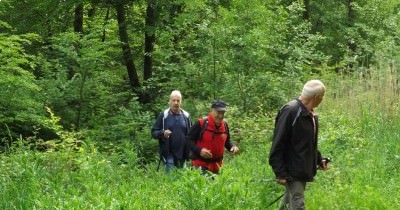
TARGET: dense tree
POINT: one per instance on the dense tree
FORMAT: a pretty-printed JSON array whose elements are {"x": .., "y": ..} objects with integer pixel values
[
  {"x": 149, "y": 38},
  {"x": 306, "y": 14},
  {"x": 126, "y": 49},
  {"x": 22, "y": 111},
  {"x": 84, "y": 59},
  {"x": 78, "y": 21}
]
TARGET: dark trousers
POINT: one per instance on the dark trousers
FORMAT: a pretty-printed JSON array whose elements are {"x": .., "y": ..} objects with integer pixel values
[{"x": 294, "y": 196}]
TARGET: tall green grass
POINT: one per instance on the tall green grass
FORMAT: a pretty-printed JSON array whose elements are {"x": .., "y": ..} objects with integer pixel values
[{"x": 360, "y": 128}]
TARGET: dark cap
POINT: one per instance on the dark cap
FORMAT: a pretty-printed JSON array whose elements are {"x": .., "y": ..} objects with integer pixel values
[{"x": 219, "y": 105}]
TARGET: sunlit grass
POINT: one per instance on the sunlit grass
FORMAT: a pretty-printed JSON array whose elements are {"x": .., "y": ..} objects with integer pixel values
[{"x": 360, "y": 129}]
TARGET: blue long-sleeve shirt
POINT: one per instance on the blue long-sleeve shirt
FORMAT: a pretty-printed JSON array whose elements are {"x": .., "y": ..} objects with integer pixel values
[{"x": 179, "y": 124}]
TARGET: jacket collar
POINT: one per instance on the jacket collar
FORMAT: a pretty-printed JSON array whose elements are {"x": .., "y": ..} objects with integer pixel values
[{"x": 304, "y": 110}]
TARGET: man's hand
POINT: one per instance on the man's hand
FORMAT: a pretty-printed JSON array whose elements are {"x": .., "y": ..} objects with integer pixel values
[
  {"x": 205, "y": 153},
  {"x": 281, "y": 181},
  {"x": 167, "y": 133},
  {"x": 234, "y": 149},
  {"x": 324, "y": 164}
]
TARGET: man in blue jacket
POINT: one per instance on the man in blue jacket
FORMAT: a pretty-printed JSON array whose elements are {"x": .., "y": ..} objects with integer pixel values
[
  {"x": 294, "y": 155},
  {"x": 171, "y": 128}
]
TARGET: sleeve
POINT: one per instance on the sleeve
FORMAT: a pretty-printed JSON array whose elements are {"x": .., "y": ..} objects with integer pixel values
[
  {"x": 228, "y": 143},
  {"x": 193, "y": 136},
  {"x": 157, "y": 130},
  {"x": 280, "y": 137}
]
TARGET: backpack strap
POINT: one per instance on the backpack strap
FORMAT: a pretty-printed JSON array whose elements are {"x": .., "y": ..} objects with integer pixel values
[
  {"x": 226, "y": 127},
  {"x": 165, "y": 115},
  {"x": 299, "y": 110},
  {"x": 203, "y": 125},
  {"x": 185, "y": 113},
  {"x": 166, "y": 112},
  {"x": 298, "y": 113},
  {"x": 297, "y": 116}
]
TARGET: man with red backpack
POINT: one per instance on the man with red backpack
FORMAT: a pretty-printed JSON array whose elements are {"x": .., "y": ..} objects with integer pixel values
[{"x": 208, "y": 137}]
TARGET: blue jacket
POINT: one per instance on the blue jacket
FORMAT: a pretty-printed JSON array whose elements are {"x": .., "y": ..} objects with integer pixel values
[{"x": 180, "y": 125}]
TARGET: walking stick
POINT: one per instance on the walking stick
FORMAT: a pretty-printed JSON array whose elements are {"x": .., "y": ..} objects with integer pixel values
[{"x": 277, "y": 199}]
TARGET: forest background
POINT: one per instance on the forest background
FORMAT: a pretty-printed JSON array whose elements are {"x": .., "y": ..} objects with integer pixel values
[{"x": 82, "y": 82}]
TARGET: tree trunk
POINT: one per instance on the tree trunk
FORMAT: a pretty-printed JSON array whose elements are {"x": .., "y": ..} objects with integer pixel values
[
  {"x": 306, "y": 14},
  {"x": 78, "y": 28},
  {"x": 126, "y": 50},
  {"x": 81, "y": 101},
  {"x": 174, "y": 12},
  {"x": 350, "y": 23},
  {"x": 103, "y": 38},
  {"x": 92, "y": 11},
  {"x": 350, "y": 13},
  {"x": 149, "y": 38},
  {"x": 78, "y": 21}
]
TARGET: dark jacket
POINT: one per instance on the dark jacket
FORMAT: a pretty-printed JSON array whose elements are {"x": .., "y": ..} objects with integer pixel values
[
  {"x": 176, "y": 144},
  {"x": 294, "y": 154}
]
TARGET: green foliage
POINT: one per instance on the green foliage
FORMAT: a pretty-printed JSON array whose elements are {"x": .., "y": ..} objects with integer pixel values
[
  {"x": 36, "y": 16},
  {"x": 130, "y": 124},
  {"x": 364, "y": 165},
  {"x": 363, "y": 174},
  {"x": 73, "y": 178},
  {"x": 21, "y": 104},
  {"x": 94, "y": 140},
  {"x": 86, "y": 88},
  {"x": 354, "y": 40},
  {"x": 114, "y": 180},
  {"x": 235, "y": 45},
  {"x": 4, "y": 26},
  {"x": 83, "y": 82}
]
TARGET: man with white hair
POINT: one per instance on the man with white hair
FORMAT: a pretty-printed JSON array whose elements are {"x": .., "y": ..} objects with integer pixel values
[
  {"x": 294, "y": 155},
  {"x": 171, "y": 128}
]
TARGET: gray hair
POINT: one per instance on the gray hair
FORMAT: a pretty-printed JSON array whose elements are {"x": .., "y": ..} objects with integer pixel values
[
  {"x": 313, "y": 88},
  {"x": 176, "y": 93}
]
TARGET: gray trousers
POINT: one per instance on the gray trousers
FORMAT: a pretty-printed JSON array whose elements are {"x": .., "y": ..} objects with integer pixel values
[{"x": 294, "y": 196}]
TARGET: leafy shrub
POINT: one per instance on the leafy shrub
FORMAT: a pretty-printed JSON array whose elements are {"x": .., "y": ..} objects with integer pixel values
[{"x": 21, "y": 102}]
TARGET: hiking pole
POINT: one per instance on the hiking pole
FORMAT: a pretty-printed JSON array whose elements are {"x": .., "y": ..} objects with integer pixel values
[
  {"x": 263, "y": 180},
  {"x": 277, "y": 199},
  {"x": 327, "y": 160},
  {"x": 159, "y": 163},
  {"x": 268, "y": 180}
]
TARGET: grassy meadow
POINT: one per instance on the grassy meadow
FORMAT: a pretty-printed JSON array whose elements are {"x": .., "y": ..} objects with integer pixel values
[{"x": 360, "y": 131}]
